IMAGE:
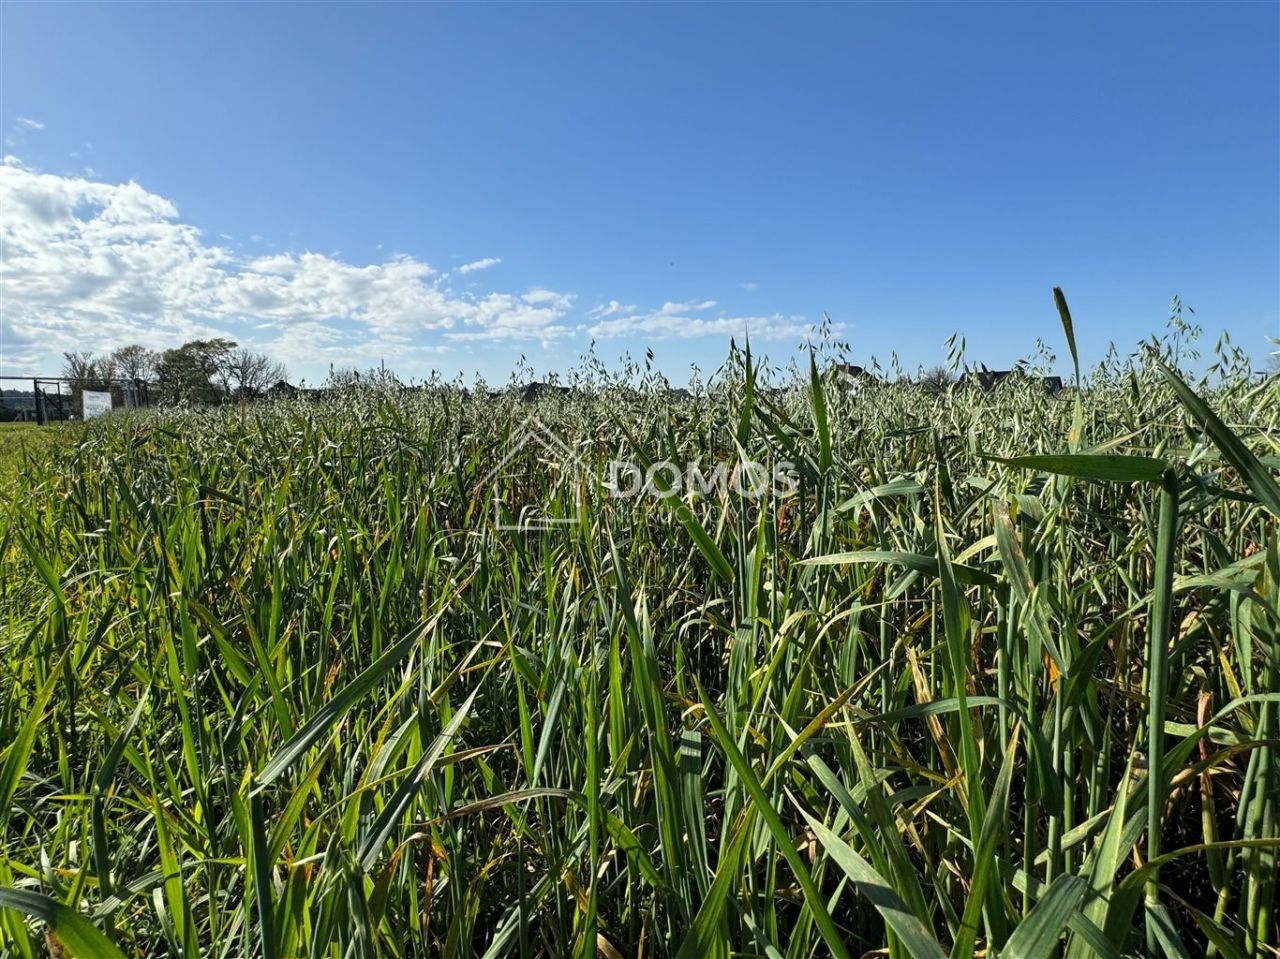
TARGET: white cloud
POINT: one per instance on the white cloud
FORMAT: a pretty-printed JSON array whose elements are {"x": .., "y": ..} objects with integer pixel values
[
  {"x": 749, "y": 287},
  {"x": 89, "y": 265},
  {"x": 686, "y": 320},
  {"x": 612, "y": 308},
  {"x": 93, "y": 265},
  {"x": 30, "y": 124},
  {"x": 484, "y": 264},
  {"x": 533, "y": 315}
]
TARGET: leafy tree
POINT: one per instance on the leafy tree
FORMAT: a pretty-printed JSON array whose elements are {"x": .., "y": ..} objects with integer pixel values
[
  {"x": 195, "y": 372},
  {"x": 198, "y": 371}
]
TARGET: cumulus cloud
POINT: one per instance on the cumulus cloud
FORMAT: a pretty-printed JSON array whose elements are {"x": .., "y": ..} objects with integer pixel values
[
  {"x": 533, "y": 315},
  {"x": 93, "y": 265},
  {"x": 484, "y": 264},
  {"x": 686, "y": 320},
  {"x": 90, "y": 265},
  {"x": 30, "y": 124}
]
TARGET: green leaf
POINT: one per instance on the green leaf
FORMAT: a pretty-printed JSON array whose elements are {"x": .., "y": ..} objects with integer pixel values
[
  {"x": 984, "y": 854},
  {"x": 1114, "y": 468},
  {"x": 820, "y": 423},
  {"x": 786, "y": 843},
  {"x": 334, "y": 709},
  {"x": 73, "y": 931},
  {"x": 45, "y": 570},
  {"x": 871, "y": 884},
  {"x": 968, "y": 575},
  {"x": 703, "y": 938},
  {"x": 19, "y": 752},
  {"x": 396, "y": 806},
  {"x": 260, "y": 866},
  {"x": 1254, "y": 474},
  {"x": 1077, "y": 414},
  {"x": 1037, "y": 935}
]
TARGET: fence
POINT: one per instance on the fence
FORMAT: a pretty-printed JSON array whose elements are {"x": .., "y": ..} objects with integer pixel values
[{"x": 52, "y": 399}]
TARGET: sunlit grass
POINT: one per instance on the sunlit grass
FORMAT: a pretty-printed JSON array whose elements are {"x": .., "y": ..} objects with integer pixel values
[{"x": 275, "y": 683}]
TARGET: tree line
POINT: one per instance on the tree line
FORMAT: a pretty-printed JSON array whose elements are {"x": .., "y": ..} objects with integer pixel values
[{"x": 198, "y": 371}]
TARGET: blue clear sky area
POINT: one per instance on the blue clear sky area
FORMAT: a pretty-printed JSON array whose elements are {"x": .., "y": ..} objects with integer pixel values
[{"x": 453, "y": 186}]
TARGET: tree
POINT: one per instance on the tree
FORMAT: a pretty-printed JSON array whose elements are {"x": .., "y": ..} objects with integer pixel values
[
  {"x": 87, "y": 370},
  {"x": 135, "y": 362},
  {"x": 196, "y": 371},
  {"x": 249, "y": 374},
  {"x": 936, "y": 379},
  {"x": 79, "y": 368}
]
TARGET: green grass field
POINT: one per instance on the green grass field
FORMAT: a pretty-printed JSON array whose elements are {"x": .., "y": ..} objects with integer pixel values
[
  {"x": 999, "y": 676},
  {"x": 21, "y": 441}
]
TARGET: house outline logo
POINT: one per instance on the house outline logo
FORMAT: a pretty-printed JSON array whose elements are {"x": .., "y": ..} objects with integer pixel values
[{"x": 533, "y": 430}]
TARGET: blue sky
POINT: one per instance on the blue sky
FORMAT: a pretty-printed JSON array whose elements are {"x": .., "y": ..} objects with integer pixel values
[{"x": 314, "y": 179}]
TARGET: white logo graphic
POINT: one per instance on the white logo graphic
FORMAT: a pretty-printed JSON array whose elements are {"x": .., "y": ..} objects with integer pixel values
[{"x": 517, "y": 483}]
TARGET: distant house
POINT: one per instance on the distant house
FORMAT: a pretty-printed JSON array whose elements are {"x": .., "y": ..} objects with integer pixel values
[
  {"x": 987, "y": 380},
  {"x": 851, "y": 376},
  {"x": 285, "y": 390},
  {"x": 536, "y": 391}
]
